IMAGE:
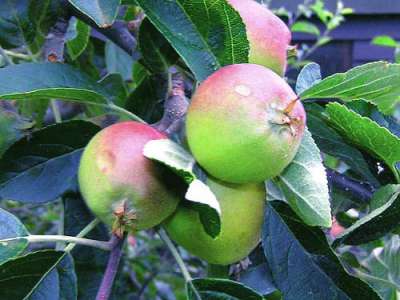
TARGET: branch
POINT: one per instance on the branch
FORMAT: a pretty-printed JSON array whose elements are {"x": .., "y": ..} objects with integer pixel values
[
  {"x": 118, "y": 32},
  {"x": 53, "y": 48},
  {"x": 112, "y": 268},
  {"x": 175, "y": 107},
  {"x": 360, "y": 190}
]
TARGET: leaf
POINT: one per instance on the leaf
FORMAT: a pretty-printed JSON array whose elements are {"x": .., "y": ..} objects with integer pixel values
[
  {"x": 305, "y": 27},
  {"x": 78, "y": 35},
  {"x": 48, "y": 288},
  {"x": 19, "y": 277},
  {"x": 309, "y": 76},
  {"x": 366, "y": 134},
  {"x": 381, "y": 268},
  {"x": 377, "y": 83},
  {"x": 206, "y": 34},
  {"x": 377, "y": 223},
  {"x": 67, "y": 278},
  {"x": 305, "y": 185},
  {"x": 11, "y": 227},
  {"x": 59, "y": 283},
  {"x": 118, "y": 61},
  {"x": 258, "y": 278},
  {"x": 302, "y": 264},
  {"x": 330, "y": 142},
  {"x": 43, "y": 167},
  {"x": 17, "y": 28},
  {"x": 157, "y": 53},
  {"x": 199, "y": 289},
  {"x": 50, "y": 80},
  {"x": 102, "y": 12},
  {"x": 384, "y": 41},
  {"x": 182, "y": 163},
  {"x": 90, "y": 263},
  {"x": 11, "y": 129}
]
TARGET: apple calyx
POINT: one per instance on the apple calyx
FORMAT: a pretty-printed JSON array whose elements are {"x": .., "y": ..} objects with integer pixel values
[
  {"x": 124, "y": 218},
  {"x": 282, "y": 116}
]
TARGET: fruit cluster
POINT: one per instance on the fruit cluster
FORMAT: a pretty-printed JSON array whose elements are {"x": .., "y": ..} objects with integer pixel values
[{"x": 244, "y": 126}]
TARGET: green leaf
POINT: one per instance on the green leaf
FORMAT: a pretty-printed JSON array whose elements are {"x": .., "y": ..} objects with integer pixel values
[
  {"x": 206, "y": 34},
  {"x": 305, "y": 27},
  {"x": 309, "y": 76},
  {"x": 102, "y": 12},
  {"x": 11, "y": 129},
  {"x": 157, "y": 53},
  {"x": 303, "y": 265},
  {"x": 50, "y": 80},
  {"x": 182, "y": 163},
  {"x": 377, "y": 82},
  {"x": 381, "y": 269},
  {"x": 17, "y": 28},
  {"x": 199, "y": 289},
  {"x": 366, "y": 134},
  {"x": 77, "y": 37},
  {"x": 11, "y": 227},
  {"x": 385, "y": 41},
  {"x": 19, "y": 277},
  {"x": 376, "y": 224},
  {"x": 305, "y": 185},
  {"x": 118, "y": 61},
  {"x": 43, "y": 167},
  {"x": 60, "y": 282},
  {"x": 330, "y": 142}
]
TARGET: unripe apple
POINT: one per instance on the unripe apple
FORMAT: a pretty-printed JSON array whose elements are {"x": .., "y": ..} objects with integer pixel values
[
  {"x": 244, "y": 124},
  {"x": 113, "y": 172},
  {"x": 242, "y": 211},
  {"x": 268, "y": 36}
]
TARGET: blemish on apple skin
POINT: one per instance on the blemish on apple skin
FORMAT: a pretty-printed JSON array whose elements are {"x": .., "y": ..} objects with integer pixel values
[
  {"x": 243, "y": 90},
  {"x": 106, "y": 161}
]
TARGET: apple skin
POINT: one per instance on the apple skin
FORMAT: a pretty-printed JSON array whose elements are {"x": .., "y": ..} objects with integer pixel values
[
  {"x": 268, "y": 36},
  {"x": 242, "y": 212},
  {"x": 113, "y": 169},
  {"x": 236, "y": 125}
]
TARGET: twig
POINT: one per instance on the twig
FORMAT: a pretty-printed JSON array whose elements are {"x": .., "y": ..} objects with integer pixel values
[
  {"x": 112, "y": 268},
  {"x": 164, "y": 236},
  {"x": 360, "y": 190},
  {"x": 107, "y": 246},
  {"x": 186, "y": 275}
]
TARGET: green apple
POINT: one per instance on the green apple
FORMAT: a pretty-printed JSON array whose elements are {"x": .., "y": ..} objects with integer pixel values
[
  {"x": 242, "y": 211},
  {"x": 268, "y": 36},
  {"x": 244, "y": 124},
  {"x": 113, "y": 172}
]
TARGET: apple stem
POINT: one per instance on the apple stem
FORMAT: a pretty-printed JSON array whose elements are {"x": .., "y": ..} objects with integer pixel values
[
  {"x": 291, "y": 105},
  {"x": 112, "y": 268}
]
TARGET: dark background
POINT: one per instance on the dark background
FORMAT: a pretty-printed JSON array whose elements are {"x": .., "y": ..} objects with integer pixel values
[{"x": 351, "y": 45}]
